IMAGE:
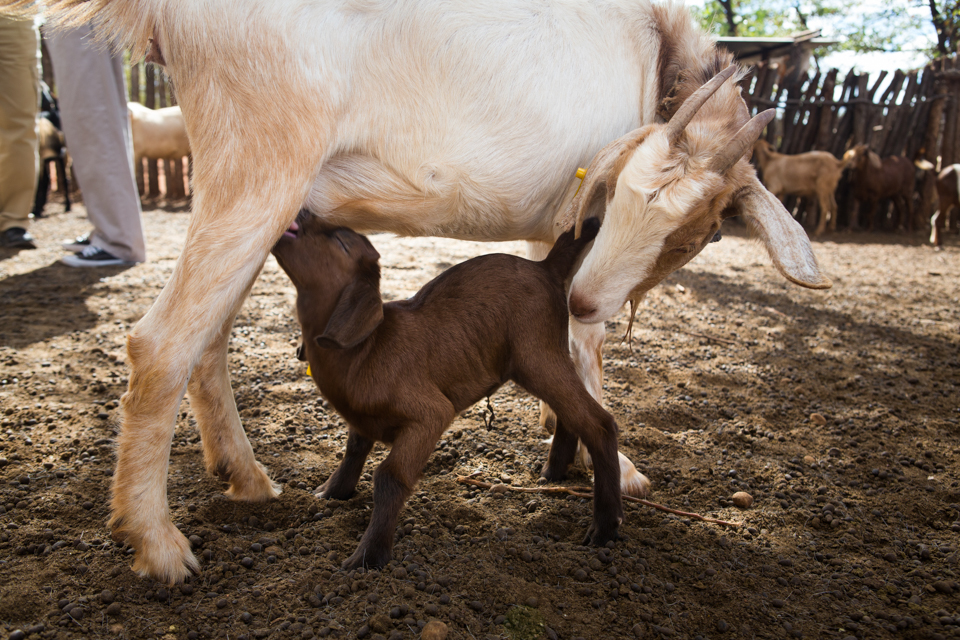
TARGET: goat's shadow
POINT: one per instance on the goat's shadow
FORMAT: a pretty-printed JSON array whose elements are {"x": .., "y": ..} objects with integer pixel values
[
  {"x": 868, "y": 349},
  {"x": 48, "y": 302}
]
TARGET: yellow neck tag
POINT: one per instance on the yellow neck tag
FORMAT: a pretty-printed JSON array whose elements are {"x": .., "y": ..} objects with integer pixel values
[
  {"x": 308, "y": 371},
  {"x": 581, "y": 173}
]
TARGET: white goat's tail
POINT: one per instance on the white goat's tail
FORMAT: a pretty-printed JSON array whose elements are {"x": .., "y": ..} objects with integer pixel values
[{"x": 126, "y": 24}]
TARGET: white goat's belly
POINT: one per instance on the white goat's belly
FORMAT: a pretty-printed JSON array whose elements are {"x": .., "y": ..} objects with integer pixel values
[{"x": 483, "y": 124}]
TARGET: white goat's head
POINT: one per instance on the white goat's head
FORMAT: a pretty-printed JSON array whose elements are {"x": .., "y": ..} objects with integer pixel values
[{"x": 662, "y": 192}]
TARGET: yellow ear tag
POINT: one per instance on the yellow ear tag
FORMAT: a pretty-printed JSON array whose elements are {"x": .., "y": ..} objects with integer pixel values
[
  {"x": 581, "y": 173},
  {"x": 308, "y": 371}
]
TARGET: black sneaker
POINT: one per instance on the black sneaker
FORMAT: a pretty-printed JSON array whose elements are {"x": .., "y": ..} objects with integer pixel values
[
  {"x": 93, "y": 257},
  {"x": 17, "y": 238},
  {"x": 77, "y": 244}
]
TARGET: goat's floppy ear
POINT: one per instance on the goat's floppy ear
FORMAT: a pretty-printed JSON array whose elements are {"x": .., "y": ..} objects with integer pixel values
[
  {"x": 598, "y": 185},
  {"x": 358, "y": 312},
  {"x": 784, "y": 238}
]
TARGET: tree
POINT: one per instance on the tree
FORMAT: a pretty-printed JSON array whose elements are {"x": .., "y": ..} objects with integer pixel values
[{"x": 932, "y": 26}]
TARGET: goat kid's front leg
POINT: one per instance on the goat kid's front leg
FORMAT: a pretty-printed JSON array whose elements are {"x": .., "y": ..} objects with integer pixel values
[
  {"x": 393, "y": 482},
  {"x": 343, "y": 482},
  {"x": 586, "y": 347},
  {"x": 224, "y": 251},
  {"x": 226, "y": 449}
]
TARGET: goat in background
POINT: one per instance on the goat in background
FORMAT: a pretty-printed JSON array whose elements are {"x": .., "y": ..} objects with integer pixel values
[
  {"x": 813, "y": 174},
  {"x": 875, "y": 178}
]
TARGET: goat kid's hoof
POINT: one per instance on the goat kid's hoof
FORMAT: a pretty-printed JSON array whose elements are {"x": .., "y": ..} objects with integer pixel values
[
  {"x": 598, "y": 537},
  {"x": 367, "y": 559},
  {"x": 326, "y": 492},
  {"x": 553, "y": 475}
]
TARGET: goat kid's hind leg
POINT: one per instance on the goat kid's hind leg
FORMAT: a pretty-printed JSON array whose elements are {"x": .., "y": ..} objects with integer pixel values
[
  {"x": 226, "y": 449},
  {"x": 212, "y": 274},
  {"x": 343, "y": 482},
  {"x": 586, "y": 347},
  {"x": 393, "y": 482},
  {"x": 581, "y": 415}
]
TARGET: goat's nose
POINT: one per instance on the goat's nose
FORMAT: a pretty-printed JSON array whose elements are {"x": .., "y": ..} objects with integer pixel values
[{"x": 581, "y": 308}]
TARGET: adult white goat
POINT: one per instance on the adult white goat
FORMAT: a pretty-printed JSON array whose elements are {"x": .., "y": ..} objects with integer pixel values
[
  {"x": 158, "y": 133},
  {"x": 425, "y": 117}
]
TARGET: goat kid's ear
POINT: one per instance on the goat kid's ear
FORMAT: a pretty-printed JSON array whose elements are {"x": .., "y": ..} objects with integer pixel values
[
  {"x": 358, "y": 312},
  {"x": 785, "y": 240}
]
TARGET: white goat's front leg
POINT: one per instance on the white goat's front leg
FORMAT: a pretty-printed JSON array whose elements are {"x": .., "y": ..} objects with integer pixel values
[
  {"x": 226, "y": 245},
  {"x": 226, "y": 449},
  {"x": 586, "y": 348}
]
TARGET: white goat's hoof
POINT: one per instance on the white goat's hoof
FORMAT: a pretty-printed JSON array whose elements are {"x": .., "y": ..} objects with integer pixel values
[
  {"x": 255, "y": 486},
  {"x": 162, "y": 553},
  {"x": 632, "y": 482}
]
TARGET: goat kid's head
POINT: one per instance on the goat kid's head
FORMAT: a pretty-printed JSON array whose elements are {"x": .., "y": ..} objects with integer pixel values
[
  {"x": 662, "y": 192},
  {"x": 337, "y": 276}
]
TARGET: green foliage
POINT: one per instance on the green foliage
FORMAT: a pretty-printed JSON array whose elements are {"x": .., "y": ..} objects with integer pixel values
[{"x": 892, "y": 25}]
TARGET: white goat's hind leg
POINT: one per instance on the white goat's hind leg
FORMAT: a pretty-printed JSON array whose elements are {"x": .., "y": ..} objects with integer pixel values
[
  {"x": 586, "y": 347},
  {"x": 225, "y": 248},
  {"x": 226, "y": 449}
]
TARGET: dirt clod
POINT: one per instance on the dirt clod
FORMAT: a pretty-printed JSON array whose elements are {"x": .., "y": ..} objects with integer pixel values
[{"x": 742, "y": 499}]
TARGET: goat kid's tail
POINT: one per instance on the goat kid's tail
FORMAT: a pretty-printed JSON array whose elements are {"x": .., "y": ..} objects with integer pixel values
[
  {"x": 567, "y": 249},
  {"x": 124, "y": 24}
]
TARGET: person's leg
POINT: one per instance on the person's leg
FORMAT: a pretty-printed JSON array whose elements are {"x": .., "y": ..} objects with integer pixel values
[
  {"x": 93, "y": 110},
  {"x": 19, "y": 102}
]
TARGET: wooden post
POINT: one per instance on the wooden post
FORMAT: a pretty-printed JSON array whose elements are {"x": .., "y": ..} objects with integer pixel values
[
  {"x": 826, "y": 114},
  {"x": 845, "y": 122},
  {"x": 153, "y": 179}
]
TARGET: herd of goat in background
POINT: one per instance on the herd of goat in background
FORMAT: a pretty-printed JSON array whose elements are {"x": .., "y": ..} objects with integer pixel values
[{"x": 160, "y": 134}]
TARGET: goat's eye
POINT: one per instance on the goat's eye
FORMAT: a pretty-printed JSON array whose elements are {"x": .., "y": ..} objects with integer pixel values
[{"x": 342, "y": 245}]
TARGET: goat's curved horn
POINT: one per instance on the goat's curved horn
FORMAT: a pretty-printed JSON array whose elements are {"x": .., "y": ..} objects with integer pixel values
[
  {"x": 743, "y": 141},
  {"x": 691, "y": 105}
]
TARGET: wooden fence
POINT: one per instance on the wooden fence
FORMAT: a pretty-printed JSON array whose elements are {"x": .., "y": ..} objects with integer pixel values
[
  {"x": 148, "y": 86},
  {"x": 916, "y": 115}
]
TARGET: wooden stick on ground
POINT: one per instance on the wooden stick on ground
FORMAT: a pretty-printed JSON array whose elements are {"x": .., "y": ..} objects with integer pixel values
[{"x": 586, "y": 492}]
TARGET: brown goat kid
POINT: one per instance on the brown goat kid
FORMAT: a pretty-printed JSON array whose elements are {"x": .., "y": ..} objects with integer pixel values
[
  {"x": 810, "y": 174},
  {"x": 875, "y": 178},
  {"x": 401, "y": 372}
]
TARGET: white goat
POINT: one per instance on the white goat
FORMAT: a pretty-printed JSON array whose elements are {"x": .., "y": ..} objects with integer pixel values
[
  {"x": 426, "y": 117},
  {"x": 158, "y": 133}
]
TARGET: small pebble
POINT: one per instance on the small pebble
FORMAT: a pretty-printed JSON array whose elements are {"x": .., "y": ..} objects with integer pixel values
[
  {"x": 742, "y": 499},
  {"x": 113, "y": 609},
  {"x": 435, "y": 630},
  {"x": 106, "y": 596},
  {"x": 818, "y": 419}
]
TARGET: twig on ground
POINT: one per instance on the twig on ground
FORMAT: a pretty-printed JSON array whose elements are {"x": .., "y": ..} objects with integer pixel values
[{"x": 586, "y": 492}]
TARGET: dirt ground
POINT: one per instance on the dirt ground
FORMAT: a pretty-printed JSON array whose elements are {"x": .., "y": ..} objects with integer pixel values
[{"x": 837, "y": 411}]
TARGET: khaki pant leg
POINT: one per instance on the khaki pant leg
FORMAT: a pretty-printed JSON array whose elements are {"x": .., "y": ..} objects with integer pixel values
[{"x": 19, "y": 103}]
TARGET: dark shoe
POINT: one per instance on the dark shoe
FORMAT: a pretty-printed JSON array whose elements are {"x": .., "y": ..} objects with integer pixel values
[
  {"x": 93, "y": 257},
  {"x": 77, "y": 244},
  {"x": 17, "y": 238}
]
